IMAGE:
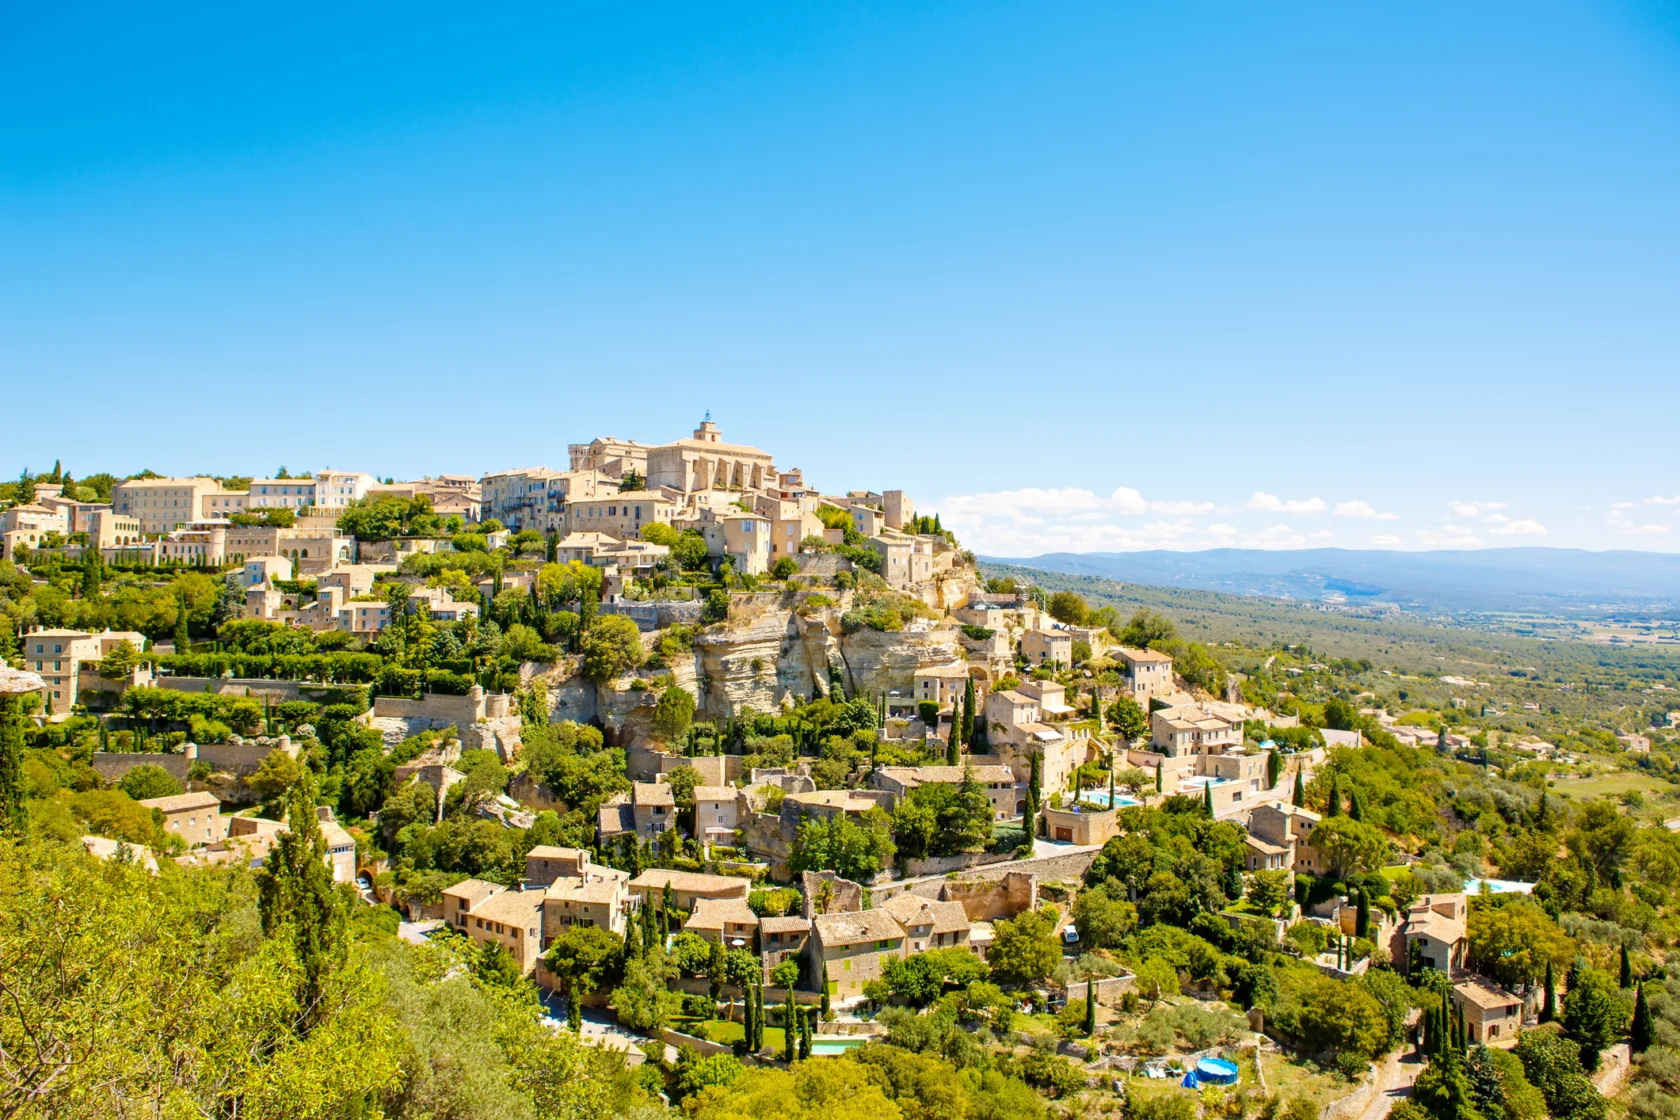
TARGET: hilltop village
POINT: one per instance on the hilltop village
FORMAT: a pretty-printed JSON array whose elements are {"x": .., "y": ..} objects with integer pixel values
[{"x": 731, "y": 794}]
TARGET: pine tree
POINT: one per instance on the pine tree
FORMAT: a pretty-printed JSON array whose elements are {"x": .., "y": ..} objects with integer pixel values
[
  {"x": 299, "y": 903},
  {"x": 1090, "y": 1007},
  {"x": 1333, "y": 808},
  {"x": 1300, "y": 799},
  {"x": 1548, "y": 1010},
  {"x": 1641, "y": 1022},
  {"x": 1627, "y": 970},
  {"x": 968, "y": 713}
]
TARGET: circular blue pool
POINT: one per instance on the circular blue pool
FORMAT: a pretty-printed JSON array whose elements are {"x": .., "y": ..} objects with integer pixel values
[{"x": 1216, "y": 1071}]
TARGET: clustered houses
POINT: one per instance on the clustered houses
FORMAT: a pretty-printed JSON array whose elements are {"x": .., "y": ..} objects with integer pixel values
[{"x": 562, "y": 888}]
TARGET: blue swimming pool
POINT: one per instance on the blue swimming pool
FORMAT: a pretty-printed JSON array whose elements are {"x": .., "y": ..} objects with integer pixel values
[{"x": 1216, "y": 1071}]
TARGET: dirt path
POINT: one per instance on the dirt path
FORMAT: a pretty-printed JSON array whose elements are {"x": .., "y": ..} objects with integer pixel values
[{"x": 1395, "y": 1078}]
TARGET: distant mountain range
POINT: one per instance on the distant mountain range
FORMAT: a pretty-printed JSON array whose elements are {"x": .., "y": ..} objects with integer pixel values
[{"x": 1495, "y": 579}]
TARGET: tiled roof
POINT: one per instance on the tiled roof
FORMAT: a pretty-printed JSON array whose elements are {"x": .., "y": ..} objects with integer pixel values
[
  {"x": 1484, "y": 994},
  {"x": 715, "y": 913},
  {"x": 857, "y": 927},
  {"x": 181, "y": 802},
  {"x": 655, "y": 878},
  {"x": 791, "y": 924}
]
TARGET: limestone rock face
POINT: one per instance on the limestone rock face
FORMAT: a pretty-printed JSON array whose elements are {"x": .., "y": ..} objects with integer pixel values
[
  {"x": 755, "y": 661},
  {"x": 877, "y": 662}
]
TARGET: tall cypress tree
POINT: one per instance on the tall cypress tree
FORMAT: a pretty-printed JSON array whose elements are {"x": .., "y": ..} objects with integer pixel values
[
  {"x": 1300, "y": 798},
  {"x": 968, "y": 713},
  {"x": 1627, "y": 970},
  {"x": 1033, "y": 777},
  {"x": 1641, "y": 1022},
  {"x": 299, "y": 903},
  {"x": 1160, "y": 776},
  {"x": 1356, "y": 807},
  {"x": 1207, "y": 801},
  {"x": 790, "y": 1030},
  {"x": 747, "y": 1021},
  {"x": 1362, "y": 915},
  {"x": 1334, "y": 807},
  {"x": 1548, "y": 1010},
  {"x": 1274, "y": 768},
  {"x": 1090, "y": 1007},
  {"x": 953, "y": 753}
]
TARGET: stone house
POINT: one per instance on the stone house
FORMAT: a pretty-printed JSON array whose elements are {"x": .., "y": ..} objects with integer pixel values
[
  {"x": 727, "y": 920},
  {"x": 194, "y": 817},
  {"x": 847, "y": 951},
  {"x": 999, "y": 782},
  {"x": 491, "y": 913},
  {"x": 781, "y": 939},
  {"x": 1148, "y": 673},
  {"x": 716, "y": 814},
  {"x": 1437, "y": 925},
  {"x": 705, "y": 462},
  {"x": 1080, "y": 826},
  {"x": 1192, "y": 729},
  {"x": 57, "y": 656},
  {"x": 1284, "y": 827},
  {"x": 689, "y": 887},
  {"x": 1047, "y": 647},
  {"x": 929, "y": 924},
  {"x": 1492, "y": 1014},
  {"x": 599, "y": 898}
]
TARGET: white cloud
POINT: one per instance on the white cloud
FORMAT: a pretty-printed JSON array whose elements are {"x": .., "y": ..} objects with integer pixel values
[
  {"x": 1386, "y": 540},
  {"x": 1271, "y": 503},
  {"x": 1363, "y": 510},
  {"x": 1448, "y": 536},
  {"x": 1181, "y": 507},
  {"x": 1628, "y": 527},
  {"x": 1473, "y": 509},
  {"x": 1321, "y": 535},
  {"x": 1524, "y": 528},
  {"x": 1674, "y": 501}
]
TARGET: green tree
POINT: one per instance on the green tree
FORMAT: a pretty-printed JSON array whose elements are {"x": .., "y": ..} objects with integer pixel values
[
  {"x": 1593, "y": 1015},
  {"x": 1024, "y": 951},
  {"x": 1156, "y": 979},
  {"x": 1127, "y": 719},
  {"x": 147, "y": 781},
  {"x": 585, "y": 958},
  {"x": 1515, "y": 943},
  {"x": 643, "y": 1000},
  {"x": 298, "y": 903},
  {"x": 1102, "y": 920},
  {"x": 1300, "y": 798},
  {"x": 674, "y": 714},
  {"x": 611, "y": 647},
  {"x": 968, "y": 712},
  {"x": 1349, "y": 846}
]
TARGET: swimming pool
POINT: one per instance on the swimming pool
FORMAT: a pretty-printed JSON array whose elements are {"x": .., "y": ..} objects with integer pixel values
[
  {"x": 1497, "y": 886},
  {"x": 1100, "y": 797},
  {"x": 1216, "y": 1071},
  {"x": 828, "y": 1047}
]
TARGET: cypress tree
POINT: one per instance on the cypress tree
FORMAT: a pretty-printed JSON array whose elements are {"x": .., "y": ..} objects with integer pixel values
[
  {"x": 1111, "y": 785},
  {"x": 1090, "y": 1007},
  {"x": 1096, "y": 706},
  {"x": 1160, "y": 777},
  {"x": 1362, "y": 916},
  {"x": 1542, "y": 816},
  {"x": 1207, "y": 801},
  {"x": 1274, "y": 768},
  {"x": 968, "y": 713},
  {"x": 790, "y": 1029},
  {"x": 298, "y": 901},
  {"x": 1334, "y": 807},
  {"x": 1300, "y": 799},
  {"x": 1035, "y": 763},
  {"x": 1641, "y": 1022},
  {"x": 1627, "y": 970},
  {"x": 1548, "y": 1010},
  {"x": 825, "y": 1004},
  {"x": 953, "y": 756},
  {"x": 804, "y": 1033},
  {"x": 1356, "y": 807},
  {"x": 747, "y": 1023}
]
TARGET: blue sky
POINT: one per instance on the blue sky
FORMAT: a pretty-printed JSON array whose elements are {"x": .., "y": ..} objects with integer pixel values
[{"x": 1078, "y": 276}]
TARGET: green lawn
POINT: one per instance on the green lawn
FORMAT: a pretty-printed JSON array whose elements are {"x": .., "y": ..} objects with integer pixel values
[
  {"x": 725, "y": 1032},
  {"x": 1394, "y": 870},
  {"x": 1611, "y": 785}
]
